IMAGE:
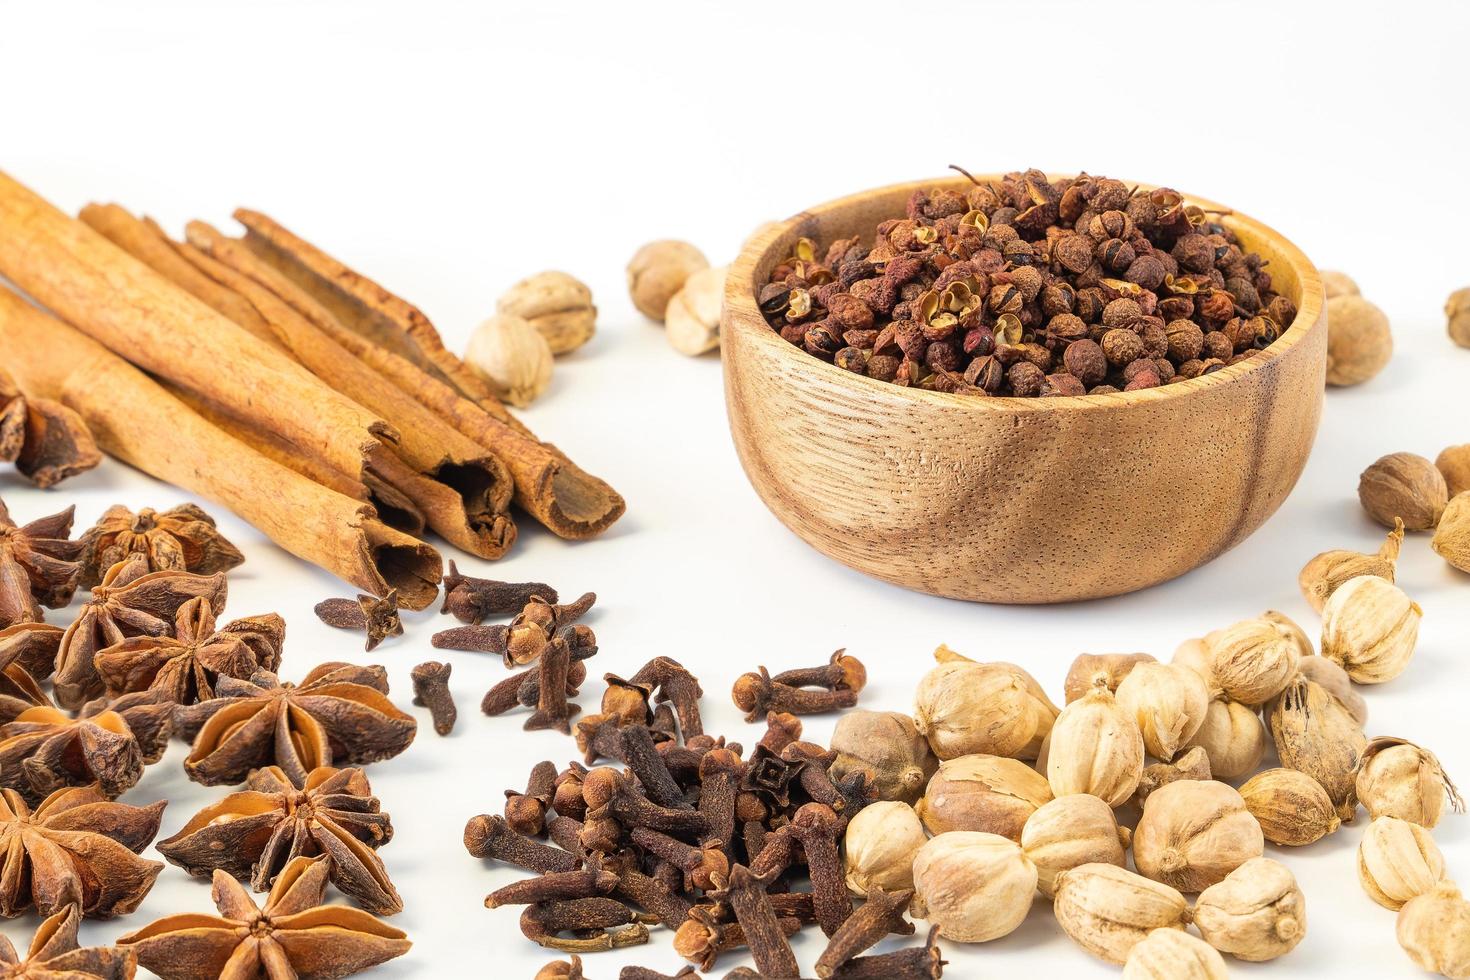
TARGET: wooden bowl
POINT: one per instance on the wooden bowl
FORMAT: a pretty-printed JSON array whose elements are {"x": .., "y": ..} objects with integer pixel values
[{"x": 1017, "y": 500}]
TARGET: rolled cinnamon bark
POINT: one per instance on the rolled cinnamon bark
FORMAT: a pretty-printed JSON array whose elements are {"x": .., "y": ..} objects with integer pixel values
[
  {"x": 136, "y": 420},
  {"x": 126, "y": 306},
  {"x": 398, "y": 341}
]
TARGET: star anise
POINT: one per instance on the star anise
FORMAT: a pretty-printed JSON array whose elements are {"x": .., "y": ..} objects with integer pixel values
[
  {"x": 294, "y": 935},
  {"x": 182, "y": 539},
  {"x": 129, "y": 601},
  {"x": 44, "y": 749},
  {"x": 76, "y": 847},
  {"x": 339, "y": 713},
  {"x": 256, "y": 833},
  {"x": 19, "y": 692},
  {"x": 38, "y": 566},
  {"x": 56, "y": 955},
  {"x": 46, "y": 441},
  {"x": 186, "y": 665},
  {"x": 32, "y": 647}
]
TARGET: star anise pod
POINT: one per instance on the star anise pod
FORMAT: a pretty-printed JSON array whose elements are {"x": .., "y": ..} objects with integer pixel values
[
  {"x": 293, "y": 935},
  {"x": 19, "y": 692},
  {"x": 182, "y": 539},
  {"x": 186, "y": 665},
  {"x": 129, "y": 601},
  {"x": 46, "y": 441},
  {"x": 339, "y": 713},
  {"x": 44, "y": 749},
  {"x": 31, "y": 646},
  {"x": 256, "y": 833},
  {"x": 76, "y": 847},
  {"x": 38, "y": 566},
  {"x": 56, "y": 955}
]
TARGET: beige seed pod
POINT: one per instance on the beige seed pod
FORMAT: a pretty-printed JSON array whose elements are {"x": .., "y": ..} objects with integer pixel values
[
  {"x": 1397, "y": 861},
  {"x": 1085, "y": 669},
  {"x": 985, "y": 793},
  {"x": 1168, "y": 702},
  {"x": 1337, "y": 683},
  {"x": 1233, "y": 738},
  {"x": 1397, "y": 778},
  {"x": 1252, "y": 660},
  {"x": 1454, "y": 465},
  {"x": 973, "y": 887},
  {"x": 1108, "y": 910},
  {"x": 1292, "y": 808},
  {"x": 1071, "y": 831},
  {"x": 1316, "y": 735},
  {"x": 1256, "y": 913},
  {"x": 1452, "y": 537},
  {"x": 1043, "y": 711},
  {"x": 1359, "y": 342},
  {"x": 1324, "y": 574},
  {"x": 1403, "y": 486},
  {"x": 557, "y": 305},
  {"x": 1192, "y": 763},
  {"x": 1193, "y": 653},
  {"x": 1434, "y": 929},
  {"x": 968, "y": 708},
  {"x": 1336, "y": 283},
  {"x": 1369, "y": 628},
  {"x": 889, "y": 744},
  {"x": 658, "y": 270},
  {"x": 1171, "y": 954},
  {"x": 879, "y": 847},
  {"x": 1298, "y": 635},
  {"x": 511, "y": 357},
  {"x": 692, "y": 318},
  {"x": 1095, "y": 748},
  {"x": 1193, "y": 833}
]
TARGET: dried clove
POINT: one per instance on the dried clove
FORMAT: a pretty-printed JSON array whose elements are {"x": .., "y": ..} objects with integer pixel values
[
  {"x": 553, "y": 886},
  {"x": 593, "y": 922},
  {"x": 524, "y": 689},
  {"x": 840, "y": 673},
  {"x": 609, "y": 793},
  {"x": 678, "y": 687},
  {"x": 379, "y": 617},
  {"x": 626, "y": 701},
  {"x": 757, "y": 693},
  {"x": 644, "y": 761},
  {"x": 782, "y": 728},
  {"x": 487, "y": 836},
  {"x": 553, "y": 710},
  {"x": 526, "y": 812},
  {"x": 475, "y": 639},
  {"x": 816, "y": 827},
  {"x": 879, "y": 916},
  {"x": 644, "y": 973},
  {"x": 916, "y": 963},
  {"x": 702, "y": 938},
  {"x": 471, "y": 600},
  {"x": 763, "y": 932},
  {"x": 431, "y": 690},
  {"x": 700, "y": 864},
  {"x": 660, "y": 898}
]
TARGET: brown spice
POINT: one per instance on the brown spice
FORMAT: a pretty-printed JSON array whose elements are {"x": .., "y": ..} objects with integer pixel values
[
  {"x": 757, "y": 693},
  {"x": 46, "y": 441},
  {"x": 431, "y": 690},
  {"x": 472, "y": 600},
  {"x": 592, "y": 922},
  {"x": 525, "y": 813},
  {"x": 44, "y": 750},
  {"x": 293, "y": 930},
  {"x": 379, "y": 617},
  {"x": 182, "y": 538},
  {"x": 767, "y": 940},
  {"x": 487, "y": 836},
  {"x": 257, "y": 833},
  {"x": 879, "y": 916},
  {"x": 55, "y": 952},
  {"x": 39, "y": 566},
  {"x": 554, "y": 886}
]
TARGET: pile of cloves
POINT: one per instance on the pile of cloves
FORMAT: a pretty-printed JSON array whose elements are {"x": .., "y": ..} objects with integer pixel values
[
  {"x": 696, "y": 835},
  {"x": 543, "y": 633}
]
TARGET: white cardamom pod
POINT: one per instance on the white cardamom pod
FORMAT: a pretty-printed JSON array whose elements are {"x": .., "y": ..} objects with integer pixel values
[
  {"x": 1071, "y": 831},
  {"x": 1172, "y": 954},
  {"x": 1256, "y": 913},
  {"x": 1316, "y": 735},
  {"x": 965, "y": 708},
  {"x": 1292, "y": 808},
  {"x": 1095, "y": 748},
  {"x": 1369, "y": 627},
  {"x": 1397, "y": 778},
  {"x": 879, "y": 847},
  {"x": 973, "y": 887},
  {"x": 1434, "y": 929},
  {"x": 1233, "y": 738},
  {"x": 1193, "y": 833},
  {"x": 1169, "y": 703},
  {"x": 984, "y": 793},
  {"x": 1397, "y": 861},
  {"x": 1337, "y": 683},
  {"x": 1108, "y": 910},
  {"x": 1252, "y": 660}
]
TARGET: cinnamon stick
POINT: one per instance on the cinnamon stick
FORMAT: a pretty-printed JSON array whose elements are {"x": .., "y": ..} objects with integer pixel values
[
  {"x": 399, "y": 341},
  {"x": 127, "y": 307},
  {"x": 136, "y": 420},
  {"x": 461, "y": 489}
]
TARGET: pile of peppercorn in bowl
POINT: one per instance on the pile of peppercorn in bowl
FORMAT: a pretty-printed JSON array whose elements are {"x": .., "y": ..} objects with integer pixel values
[{"x": 913, "y": 383}]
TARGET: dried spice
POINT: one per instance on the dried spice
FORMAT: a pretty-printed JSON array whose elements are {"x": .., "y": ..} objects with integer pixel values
[
  {"x": 1193, "y": 763},
  {"x": 253, "y": 835},
  {"x": 1108, "y": 910},
  {"x": 1324, "y": 574},
  {"x": 471, "y": 600},
  {"x": 1404, "y": 487},
  {"x": 1169, "y": 703},
  {"x": 840, "y": 680},
  {"x": 1170, "y": 954},
  {"x": 511, "y": 357},
  {"x": 594, "y": 924},
  {"x": 1069, "y": 832},
  {"x": 129, "y": 601},
  {"x": 889, "y": 744},
  {"x": 973, "y": 887},
  {"x": 1370, "y": 628},
  {"x": 658, "y": 270},
  {"x": 55, "y": 954},
  {"x": 379, "y": 617},
  {"x": 1095, "y": 748},
  {"x": 558, "y": 305},
  {"x": 988, "y": 292},
  {"x": 1256, "y": 913},
  {"x": 44, "y": 749},
  {"x": 1316, "y": 735},
  {"x": 76, "y": 848},
  {"x": 1452, "y": 537},
  {"x": 1398, "y": 861},
  {"x": 31, "y": 647},
  {"x": 431, "y": 690},
  {"x": 561, "y": 970},
  {"x": 1397, "y": 778},
  {"x": 1359, "y": 341},
  {"x": 182, "y": 538},
  {"x": 1193, "y": 833},
  {"x": 881, "y": 841},
  {"x": 967, "y": 708},
  {"x": 46, "y": 441},
  {"x": 983, "y": 793},
  {"x": 1434, "y": 929},
  {"x": 293, "y": 934},
  {"x": 39, "y": 566},
  {"x": 1252, "y": 660},
  {"x": 1454, "y": 465},
  {"x": 1292, "y": 808},
  {"x": 1233, "y": 739},
  {"x": 1081, "y": 676},
  {"x": 184, "y": 667},
  {"x": 339, "y": 713},
  {"x": 879, "y": 916}
]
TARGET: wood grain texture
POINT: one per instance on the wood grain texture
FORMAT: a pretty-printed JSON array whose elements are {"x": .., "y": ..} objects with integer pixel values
[{"x": 1008, "y": 499}]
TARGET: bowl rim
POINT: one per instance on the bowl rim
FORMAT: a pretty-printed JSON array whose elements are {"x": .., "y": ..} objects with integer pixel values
[{"x": 742, "y": 314}]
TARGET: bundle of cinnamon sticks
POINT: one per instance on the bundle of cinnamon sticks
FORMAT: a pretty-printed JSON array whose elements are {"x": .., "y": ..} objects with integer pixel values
[{"x": 262, "y": 373}]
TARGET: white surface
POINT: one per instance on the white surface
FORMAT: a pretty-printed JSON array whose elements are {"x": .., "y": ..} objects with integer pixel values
[{"x": 451, "y": 150}]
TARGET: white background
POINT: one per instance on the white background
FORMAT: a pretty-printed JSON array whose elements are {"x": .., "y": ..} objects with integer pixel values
[{"x": 449, "y": 149}]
